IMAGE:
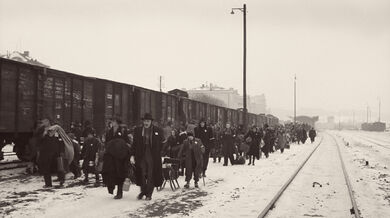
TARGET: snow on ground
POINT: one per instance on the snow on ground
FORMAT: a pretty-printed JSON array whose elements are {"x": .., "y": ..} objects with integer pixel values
[
  {"x": 371, "y": 182},
  {"x": 319, "y": 189},
  {"x": 232, "y": 191}
]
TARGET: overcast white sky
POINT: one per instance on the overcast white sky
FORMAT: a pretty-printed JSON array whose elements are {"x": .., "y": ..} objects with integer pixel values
[{"x": 340, "y": 50}]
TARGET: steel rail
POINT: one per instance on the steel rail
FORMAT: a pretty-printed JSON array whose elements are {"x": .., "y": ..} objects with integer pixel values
[
  {"x": 371, "y": 141},
  {"x": 372, "y": 137},
  {"x": 354, "y": 210},
  {"x": 271, "y": 204}
]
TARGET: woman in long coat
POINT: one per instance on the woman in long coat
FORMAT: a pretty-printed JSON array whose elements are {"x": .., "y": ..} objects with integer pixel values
[
  {"x": 281, "y": 140},
  {"x": 116, "y": 165},
  {"x": 268, "y": 141},
  {"x": 193, "y": 150},
  {"x": 227, "y": 139},
  {"x": 252, "y": 138}
]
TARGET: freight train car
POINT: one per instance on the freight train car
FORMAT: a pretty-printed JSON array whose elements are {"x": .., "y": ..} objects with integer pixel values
[
  {"x": 29, "y": 93},
  {"x": 375, "y": 127}
]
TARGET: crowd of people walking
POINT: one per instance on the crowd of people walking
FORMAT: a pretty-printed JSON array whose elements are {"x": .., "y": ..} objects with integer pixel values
[{"x": 122, "y": 153}]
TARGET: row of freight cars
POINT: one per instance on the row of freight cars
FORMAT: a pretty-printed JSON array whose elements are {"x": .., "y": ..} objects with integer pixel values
[
  {"x": 29, "y": 93},
  {"x": 376, "y": 126}
]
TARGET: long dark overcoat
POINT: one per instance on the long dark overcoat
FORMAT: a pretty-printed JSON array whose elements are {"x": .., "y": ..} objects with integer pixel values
[
  {"x": 205, "y": 134},
  {"x": 157, "y": 140},
  {"x": 312, "y": 134},
  {"x": 227, "y": 139},
  {"x": 254, "y": 144},
  {"x": 115, "y": 162},
  {"x": 268, "y": 141},
  {"x": 49, "y": 149}
]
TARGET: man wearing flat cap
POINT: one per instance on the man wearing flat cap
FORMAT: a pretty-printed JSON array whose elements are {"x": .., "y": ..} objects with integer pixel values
[{"x": 146, "y": 155}]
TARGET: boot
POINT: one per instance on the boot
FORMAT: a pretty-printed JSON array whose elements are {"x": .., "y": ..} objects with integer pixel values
[
  {"x": 187, "y": 185},
  {"x": 140, "y": 196},
  {"x": 196, "y": 185},
  {"x": 119, "y": 192},
  {"x": 86, "y": 179}
]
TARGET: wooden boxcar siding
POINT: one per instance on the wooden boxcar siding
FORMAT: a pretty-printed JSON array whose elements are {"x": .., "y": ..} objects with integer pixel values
[
  {"x": 240, "y": 117},
  {"x": 131, "y": 107},
  {"x": 164, "y": 99},
  {"x": 153, "y": 105},
  {"x": 87, "y": 104},
  {"x": 8, "y": 97},
  {"x": 117, "y": 100},
  {"x": 222, "y": 116},
  {"x": 27, "y": 98},
  {"x": 175, "y": 104},
  {"x": 109, "y": 102},
  {"x": 125, "y": 104},
  {"x": 184, "y": 110},
  {"x": 77, "y": 90},
  {"x": 99, "y": 109}
]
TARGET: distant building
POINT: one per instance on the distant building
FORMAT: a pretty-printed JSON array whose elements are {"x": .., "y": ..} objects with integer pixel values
[
  {"x": 258, "y": 104},
  {"x": 230, "y": 97},
  {"x": 23, "y": 57},
  {"x": 330, "y": 124},
  {"x": 331, "y": 120},
  {"x": 308, "y": 120}
]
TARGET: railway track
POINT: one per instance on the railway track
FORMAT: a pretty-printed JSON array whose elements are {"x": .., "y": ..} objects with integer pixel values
[
  {"x": 354, "y": 210},
  {"x": 368, "y": 139},
  {"x": 376, "y": 139}
]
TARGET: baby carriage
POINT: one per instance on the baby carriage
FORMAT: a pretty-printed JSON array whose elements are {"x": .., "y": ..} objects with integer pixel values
[{"x": 170, "y": 171}]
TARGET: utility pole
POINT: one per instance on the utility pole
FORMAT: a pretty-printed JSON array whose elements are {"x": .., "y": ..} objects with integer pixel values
[
  {"x": 245, "y": 110},
  {"x": 295, "y": 99},
  {"x": 379, "y": 120},
  {"x": 244, "y": 72},
  {"x": 369, "y": 114},
  {"x": 160, "y": 83}
]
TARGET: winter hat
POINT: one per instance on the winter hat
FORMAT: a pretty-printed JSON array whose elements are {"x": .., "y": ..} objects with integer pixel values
[{"x": 147, "y": 116}]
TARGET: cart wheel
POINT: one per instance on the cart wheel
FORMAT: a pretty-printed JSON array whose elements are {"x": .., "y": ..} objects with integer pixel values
[
  {"x": 177, "y": 183},
  {"x": 171, "y": 183},
  {"x": 161, "y": 187}
]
